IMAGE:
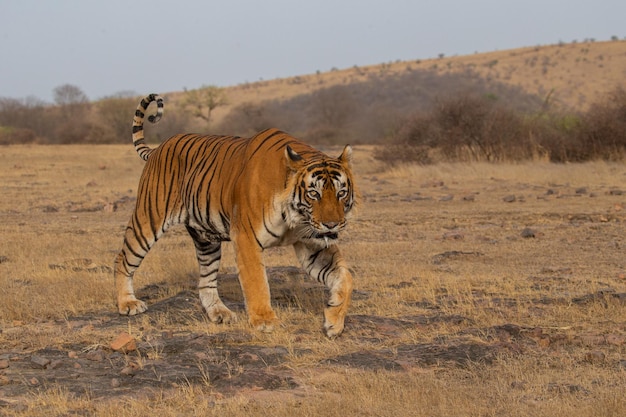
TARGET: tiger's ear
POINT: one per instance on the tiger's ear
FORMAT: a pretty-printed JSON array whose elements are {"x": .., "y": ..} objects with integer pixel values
[
  {"x": 346, "y": 156},
  {"x": 294, "y": 160}
]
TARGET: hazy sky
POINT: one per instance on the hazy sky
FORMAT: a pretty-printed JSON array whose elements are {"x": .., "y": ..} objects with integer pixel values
[{"x": 105, "y": 47}]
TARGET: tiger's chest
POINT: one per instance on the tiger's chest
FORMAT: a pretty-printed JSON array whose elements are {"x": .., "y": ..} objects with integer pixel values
[{"x": 267, "y": 223}]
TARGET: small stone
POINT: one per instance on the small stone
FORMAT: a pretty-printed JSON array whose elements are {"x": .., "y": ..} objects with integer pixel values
[
  {"x": 72, "y": 354},
  {"x": 509, "y": 199},
  {"x": 56, "y": 364},
  {"x": 128, "y": 371},
  {"x": 447, "y": 197},
  {"x": 4, "y": 364},
  {"x": 115, "y": 383},
  {"x": 39, "y": 362},
  {"x": 581, "y": 190},
  {"x": 544, "y": 341},
  {"x": 453, "y": 235},
  {"x": 4, "y": 380},
  {"x": 124, "y": 343},
  {"x": 615, "y": 339},
  {"x": 34, "y": 381},
  {"x": 95, "y": 356},
  {"x": 527, "y": 232},
  {"x": 595, "y": 356},
  {"x": 110, "y": 207}
]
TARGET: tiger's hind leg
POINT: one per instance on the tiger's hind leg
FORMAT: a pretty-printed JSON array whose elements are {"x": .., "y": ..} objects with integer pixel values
[
  {"x": 209, "y": 254},
  {"x": 328, "y": 267},
  {"x": 126, "y": 263}
]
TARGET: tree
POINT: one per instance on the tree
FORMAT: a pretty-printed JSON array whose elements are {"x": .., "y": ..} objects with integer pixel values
[
  {"x": 73, "y": 106},
  {"x": 204, "y": 100},
  {"x": 68, "y": 94}
]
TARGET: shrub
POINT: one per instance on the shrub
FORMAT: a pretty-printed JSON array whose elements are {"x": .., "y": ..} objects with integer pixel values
[
  {"x": 11, "y": 135},
  {"x": 603, "y": 130}
]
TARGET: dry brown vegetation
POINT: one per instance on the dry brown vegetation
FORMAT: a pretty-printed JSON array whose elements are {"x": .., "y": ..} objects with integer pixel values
[{"x": 481, "y": 289}]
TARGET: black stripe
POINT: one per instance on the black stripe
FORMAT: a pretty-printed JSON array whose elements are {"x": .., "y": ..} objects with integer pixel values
[
  {"x": 211, "y": 272},
  {"x": 267, "y": 229},
  {"x": 254, "y": 234}
]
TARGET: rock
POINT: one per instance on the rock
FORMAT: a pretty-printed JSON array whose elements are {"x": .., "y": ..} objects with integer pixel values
[
  {"x": 95, "y": 356},
  {"x": 615, "y": 339},
  {"x": 124, "y": 343},
  {"x": 39, "y": 362},
  {"x": 56, "y": 364},
  {"x": 527, "y": 232},
  {"x": 509, "y": 199},
  {"x": 595, "y": 357},
  {"x": 4, "y": 364},
  {"x": 128, "y": 371},
  {"x": 432, "y": 184},
  {"x": 115, "y": 383},
  {"x": 110, "y": 207},
  {"x": 453, "y": 235}
]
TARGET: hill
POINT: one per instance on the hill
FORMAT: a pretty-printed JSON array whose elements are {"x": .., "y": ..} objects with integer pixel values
[{"x": 576, "y": 74}]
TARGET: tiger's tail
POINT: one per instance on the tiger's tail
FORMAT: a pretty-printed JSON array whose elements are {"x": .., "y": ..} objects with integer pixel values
[{"x": 142, "y": 149}]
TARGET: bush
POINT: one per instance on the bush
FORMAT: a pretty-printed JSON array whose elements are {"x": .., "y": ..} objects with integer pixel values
[
  {"x": 466, "y": 127},
  {"x": 13, "y": 135},
  {"x": 603, "y": 130},
  {"x": 480, "y": 128}
]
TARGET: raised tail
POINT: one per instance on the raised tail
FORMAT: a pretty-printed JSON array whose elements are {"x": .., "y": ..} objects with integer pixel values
[{"x": 142, "y": 149}]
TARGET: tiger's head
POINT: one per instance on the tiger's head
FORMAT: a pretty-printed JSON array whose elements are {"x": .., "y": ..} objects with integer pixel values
[{"x": 322, "y": 197}]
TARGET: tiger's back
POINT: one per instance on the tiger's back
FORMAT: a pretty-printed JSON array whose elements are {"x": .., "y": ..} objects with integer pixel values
[{"x": 264, "y": 191}]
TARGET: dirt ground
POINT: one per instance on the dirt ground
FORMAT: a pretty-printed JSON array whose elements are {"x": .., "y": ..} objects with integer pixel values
[{"x": 459, "y": 269}]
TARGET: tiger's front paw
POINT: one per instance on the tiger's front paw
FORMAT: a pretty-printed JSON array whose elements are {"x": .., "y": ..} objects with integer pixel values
[
  {"x": 334, "y": 319},
  {"x": 131, "y": 306},
  {"x": 336, "y": 311},
  {"x": 265, "y": 322}
]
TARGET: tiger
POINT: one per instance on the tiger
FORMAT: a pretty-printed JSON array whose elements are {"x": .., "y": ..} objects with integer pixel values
[{"x": 260, "y": 192}]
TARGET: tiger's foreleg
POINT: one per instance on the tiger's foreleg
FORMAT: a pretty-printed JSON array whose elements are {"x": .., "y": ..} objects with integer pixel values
[
  {"x": 209, "y": 255},
  {"x": 253, "y": 280},
  {"x": 126, "y": 263},
  {"x": 328, "y": 267}
]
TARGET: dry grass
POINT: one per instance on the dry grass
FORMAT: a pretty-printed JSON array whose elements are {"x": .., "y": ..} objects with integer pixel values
[{"x": 434, "y": 242}]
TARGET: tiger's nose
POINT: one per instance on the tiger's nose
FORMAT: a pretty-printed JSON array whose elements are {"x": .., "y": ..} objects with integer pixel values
[{"x": 330, "y": 225}]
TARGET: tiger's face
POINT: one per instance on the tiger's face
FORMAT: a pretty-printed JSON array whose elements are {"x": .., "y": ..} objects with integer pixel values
[{"x": 323, "y": 196}]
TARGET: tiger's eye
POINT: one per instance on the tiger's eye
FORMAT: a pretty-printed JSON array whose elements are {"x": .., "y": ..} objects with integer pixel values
[
  {"x": 313, "y": 195},
  {"x": 341, "y": 193}
]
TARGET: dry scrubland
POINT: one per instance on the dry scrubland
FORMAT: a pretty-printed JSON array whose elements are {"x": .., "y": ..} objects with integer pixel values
[{"x": 480, "y": 290}]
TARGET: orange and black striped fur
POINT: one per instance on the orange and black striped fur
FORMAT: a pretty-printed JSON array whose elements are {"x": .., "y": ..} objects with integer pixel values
[{"x": 259, "y": 192}]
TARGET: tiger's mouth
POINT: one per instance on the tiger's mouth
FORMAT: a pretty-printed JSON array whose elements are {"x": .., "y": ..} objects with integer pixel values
[{"x": 327, "y": 235}]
